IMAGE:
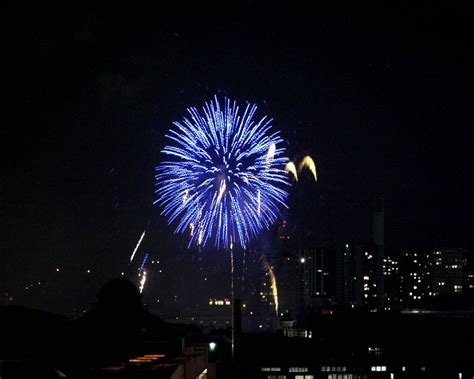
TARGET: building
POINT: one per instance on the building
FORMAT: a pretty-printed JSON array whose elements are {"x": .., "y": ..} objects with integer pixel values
[
  {"x": 413, "y": 279},
  {"x": 446, "y": 271},
  {"x": 378, "y": 216},
  {"x": 392, "y": 284}
]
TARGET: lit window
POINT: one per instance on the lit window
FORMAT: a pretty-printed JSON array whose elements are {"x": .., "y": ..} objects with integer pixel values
[{"x": 298, "y": 369}]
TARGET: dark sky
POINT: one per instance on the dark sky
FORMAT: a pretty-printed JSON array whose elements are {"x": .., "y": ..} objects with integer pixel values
[{"x": 381, "y": 96}]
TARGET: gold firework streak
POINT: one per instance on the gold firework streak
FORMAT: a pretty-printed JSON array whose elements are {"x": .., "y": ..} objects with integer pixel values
[
  {"x": 309, "y": 163},
  {"x": 273, "y": 282},
  {"x": 221, "y": 192},
  {"x": 291, "y": 168}
]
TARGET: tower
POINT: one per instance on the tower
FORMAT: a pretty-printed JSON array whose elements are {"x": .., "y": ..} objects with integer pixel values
[{"x": 378, "y": 241}]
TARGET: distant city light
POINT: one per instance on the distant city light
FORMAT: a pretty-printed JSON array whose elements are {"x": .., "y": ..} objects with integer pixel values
[
  {"x": 302, "y": 260},
  {"x": 212, "y": 346}
]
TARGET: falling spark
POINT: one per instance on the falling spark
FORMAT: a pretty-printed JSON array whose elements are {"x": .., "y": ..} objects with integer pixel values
[
  {"x": 185, "y": 196},
  {"x": 201, "y": 236},
  {"x": 291, "y": 168},
  {"x": 142, "y": 281},
  {"x": 221, "y": 192},
  {"x": 138, "y": 245},
  {"x": 271, "y": 152},
  {"x": 309, "y": 163},
  {"x": 274, "y": 287},
  {"x": 191, "y": 226},
  {"x": 142, "y": 267}
]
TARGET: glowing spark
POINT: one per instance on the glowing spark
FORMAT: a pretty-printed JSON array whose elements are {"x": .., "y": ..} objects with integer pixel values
[
  {"x": 221, "y": 192},
  {"x": 273, "y": 280},
  {"x": 142, "y": 281},
  {"x": 222, "y": 147},
  {"x": 309, "y": 163},
  {"x": 191, "y": 226},
  {"x": 201, "y": 236},
  {"x": 142, "y": 267},
  {"x": 185, "y": 196},
  {"x": 291, "y": 168},
  {"x": 138, "y": 245},
  {"x": 271, "y": 152}
]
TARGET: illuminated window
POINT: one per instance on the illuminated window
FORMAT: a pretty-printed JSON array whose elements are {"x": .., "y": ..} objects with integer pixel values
[
  {"x": 271, "y": 369},
  {"x": 298, "y": 369}
]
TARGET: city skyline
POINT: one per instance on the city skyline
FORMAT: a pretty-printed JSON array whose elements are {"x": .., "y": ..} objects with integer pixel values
[{"x": 381, "y": 103}]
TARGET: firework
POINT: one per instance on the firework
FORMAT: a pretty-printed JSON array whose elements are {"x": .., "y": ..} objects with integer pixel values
[
  {"x": 271, "y": 152},
  {"x": 138, "y": 245},
  {"x": 291, "y": 168},
  {"x": 142, "y": 281},
  {"x": 309, "y": 163},
  {"x": 142, "y": 267},
  {"x": 273, "y": 282},
  {"x": 224, "y": 174}
]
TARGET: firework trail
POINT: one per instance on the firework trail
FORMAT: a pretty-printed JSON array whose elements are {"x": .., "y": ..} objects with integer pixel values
[
  {"x": 224, "y": 174},
  {"x": 142, "y": 281},
  {"x": 309, "y": 163},
  {"x": 143, "y": 263},
  {"x": 269, "y": 269},
  {"x": 291, "y": 168},
  {"x": 138, "y": 245},
  {"x": 221, "y": 192},
  {"x": 271, "y": 152}
]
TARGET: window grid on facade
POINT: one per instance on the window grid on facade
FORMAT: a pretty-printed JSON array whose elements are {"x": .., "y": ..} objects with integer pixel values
[
  {"x": 298, "y": 369},
  {"x": 333, "y": 368}
]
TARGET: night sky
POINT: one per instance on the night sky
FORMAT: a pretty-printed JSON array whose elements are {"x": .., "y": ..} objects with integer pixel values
[{"x": 380, "y": 96}]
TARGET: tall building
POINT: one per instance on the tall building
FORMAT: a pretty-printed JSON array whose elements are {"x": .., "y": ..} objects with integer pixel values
[
  {"x": 321, "y": 272},
  {"x": 446, "y": 271},
  {"x": 413, "y": 279},
  {"x": 392, "y": 284},
  {"x": 378, "y": 241},
  {"x": 360, "y": 277}
]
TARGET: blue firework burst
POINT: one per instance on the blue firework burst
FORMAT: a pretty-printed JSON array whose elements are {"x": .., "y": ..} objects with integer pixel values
[{"x": 224, "y": 176}]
